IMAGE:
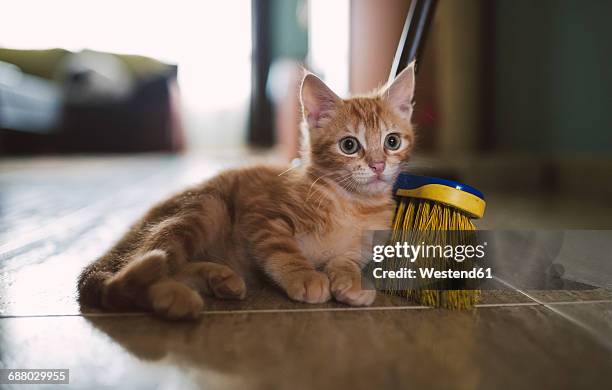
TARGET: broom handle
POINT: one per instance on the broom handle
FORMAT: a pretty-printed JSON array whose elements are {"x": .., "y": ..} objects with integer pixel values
[{"x": 413, "y": 35}]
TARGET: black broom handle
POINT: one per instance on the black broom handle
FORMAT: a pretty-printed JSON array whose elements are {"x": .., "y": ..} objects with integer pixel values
[{"x": 413, "y": 35}]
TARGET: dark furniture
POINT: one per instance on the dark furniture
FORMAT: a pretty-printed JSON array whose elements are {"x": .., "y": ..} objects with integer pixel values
[{"x": 147, "y": 120}]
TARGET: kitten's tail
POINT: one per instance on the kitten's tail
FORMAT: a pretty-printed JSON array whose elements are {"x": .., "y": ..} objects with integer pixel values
[
  {"x": 91, "y": 285},
  {"x": 125, "y": 289}
]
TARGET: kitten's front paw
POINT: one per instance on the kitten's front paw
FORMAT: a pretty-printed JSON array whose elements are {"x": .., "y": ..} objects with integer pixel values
[
  {"x": 347, "y": 289},
  {"x": 308, "y": 286}
]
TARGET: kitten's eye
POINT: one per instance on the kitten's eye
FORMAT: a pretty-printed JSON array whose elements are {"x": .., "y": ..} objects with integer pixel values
[
  {"x": 349, "y": 145},
  {"x": 392, "y": 141}
]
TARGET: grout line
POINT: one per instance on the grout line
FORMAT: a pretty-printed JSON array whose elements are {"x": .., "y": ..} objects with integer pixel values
[
  {"x": 226, "y": 312},
  {"x": 316, "y": 310},
  {"x": 126, "y": 314},
  {"x": 578, "y": 302},
  {"x": 483, "y": 305},
  {"x": 541, "y": 303},
  {"x": 309, "y": 310}
]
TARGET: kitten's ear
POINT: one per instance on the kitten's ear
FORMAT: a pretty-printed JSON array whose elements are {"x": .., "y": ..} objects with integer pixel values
[
  {"x": 400, "y": 93},
  {"x": 318, "y": 101}
]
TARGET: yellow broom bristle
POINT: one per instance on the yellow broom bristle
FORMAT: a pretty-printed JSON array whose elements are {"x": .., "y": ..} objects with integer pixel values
[{"x": 418, "y": 220}]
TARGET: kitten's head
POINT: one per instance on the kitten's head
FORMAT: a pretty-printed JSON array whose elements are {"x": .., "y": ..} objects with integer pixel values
[{"x": 363, "y": 142}]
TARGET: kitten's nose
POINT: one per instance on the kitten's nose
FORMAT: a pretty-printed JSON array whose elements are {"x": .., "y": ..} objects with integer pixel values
[{"x": 377, "y": 167}]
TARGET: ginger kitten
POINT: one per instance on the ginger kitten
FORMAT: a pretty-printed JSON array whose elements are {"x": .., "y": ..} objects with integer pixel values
[{"x": 301, "y": 227}]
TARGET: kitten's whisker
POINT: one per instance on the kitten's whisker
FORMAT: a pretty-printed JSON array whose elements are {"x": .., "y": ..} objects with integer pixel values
[
  {"x": 287, "y": 170},
  {"x": 345, "y": 179},
  {"x": 349, "y": 185},
  {"x": 345, "y": 183},
  {"x": 320, "y": 201},
  {"x": 322, "y": 195},
  {"x": 314, "y": 182},
  {"x": 311, "y": 186},
  {"x": 320, "y": 192},
  {"x": 342, "y": 177}
]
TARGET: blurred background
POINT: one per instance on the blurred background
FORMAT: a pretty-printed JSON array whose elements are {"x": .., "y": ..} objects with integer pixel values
[
  {"x": 511, "y": 95},
  {"x": 107, "y": 107}
]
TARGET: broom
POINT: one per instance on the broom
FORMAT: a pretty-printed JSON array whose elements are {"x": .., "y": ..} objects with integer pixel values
[
  {"x": 431, "y": 210},
  {"x": 437, "y": 212}
]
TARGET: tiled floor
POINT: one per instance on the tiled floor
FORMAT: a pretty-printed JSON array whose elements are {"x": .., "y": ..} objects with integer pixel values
[{"x": 56, "y": 215}]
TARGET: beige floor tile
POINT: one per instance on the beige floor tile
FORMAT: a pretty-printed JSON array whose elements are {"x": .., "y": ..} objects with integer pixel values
[{"x": 594, "y": 317}]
